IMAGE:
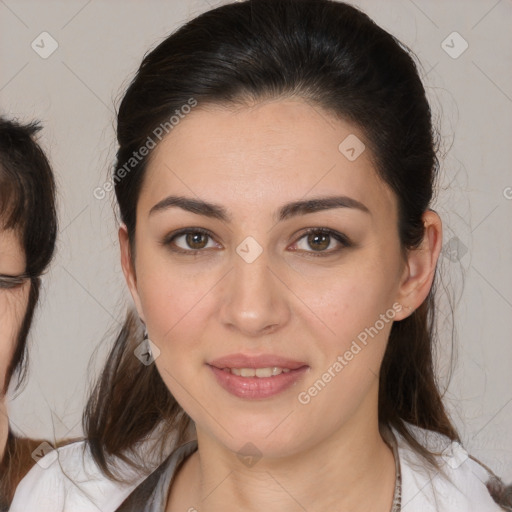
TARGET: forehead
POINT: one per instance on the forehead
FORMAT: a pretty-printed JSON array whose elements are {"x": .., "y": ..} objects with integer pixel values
[{"x": 255, "y": 157}]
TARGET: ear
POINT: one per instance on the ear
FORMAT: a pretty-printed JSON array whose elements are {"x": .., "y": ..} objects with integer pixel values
[
  {"x": 128, "y": 268},
  {"x": 420, "y": 266}
]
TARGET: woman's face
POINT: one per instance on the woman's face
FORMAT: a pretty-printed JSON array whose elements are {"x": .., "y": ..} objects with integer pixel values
[
  {"x": 319, "y": 306},
  {"x": 13, "y": 301}
]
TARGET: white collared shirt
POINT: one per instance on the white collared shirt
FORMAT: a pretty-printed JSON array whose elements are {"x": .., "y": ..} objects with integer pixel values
[{"x": 68, "y": 480}]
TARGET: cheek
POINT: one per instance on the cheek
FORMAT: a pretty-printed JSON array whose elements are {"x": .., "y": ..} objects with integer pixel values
[
  {"x": 349, "y": 299},
  {"x": 356, "y": 304},
  {"x": 12, "y": 309},
  {"x": 176, "y": 309},
  {"x": 174, "y": 301}
]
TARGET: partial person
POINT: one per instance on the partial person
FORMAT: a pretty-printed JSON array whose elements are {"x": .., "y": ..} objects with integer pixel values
[{"x": 28, "y": 228}]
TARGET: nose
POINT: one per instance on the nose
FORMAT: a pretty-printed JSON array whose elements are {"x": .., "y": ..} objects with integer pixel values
[{"x": 254, "y": 300}]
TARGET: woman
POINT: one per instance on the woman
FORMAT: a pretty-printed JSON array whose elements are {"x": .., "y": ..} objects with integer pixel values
[
  {"x": 274, "y": 178},
  {"x": 28, "y": 228}
]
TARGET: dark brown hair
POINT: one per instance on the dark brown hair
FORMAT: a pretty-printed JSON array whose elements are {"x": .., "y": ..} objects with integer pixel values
[
  {"x": 27, "y": 206},
  {"x": 333, "y": 56}
]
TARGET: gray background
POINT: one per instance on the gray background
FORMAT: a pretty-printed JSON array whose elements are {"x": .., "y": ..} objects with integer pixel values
[{"x": 73, "y": 92}]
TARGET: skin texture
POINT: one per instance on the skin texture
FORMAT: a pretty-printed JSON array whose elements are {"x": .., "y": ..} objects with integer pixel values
[
  {"x": 13, "y": 303},
  {"x": 323, "y": 455}
]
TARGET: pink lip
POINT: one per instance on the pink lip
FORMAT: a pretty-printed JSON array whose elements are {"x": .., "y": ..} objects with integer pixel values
[
  {"x": 256, "y": 387},
  {"x": 261, "y": 361}
]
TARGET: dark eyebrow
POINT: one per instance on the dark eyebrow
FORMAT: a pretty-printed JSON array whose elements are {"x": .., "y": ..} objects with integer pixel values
[{"x": 285, "y": 212}]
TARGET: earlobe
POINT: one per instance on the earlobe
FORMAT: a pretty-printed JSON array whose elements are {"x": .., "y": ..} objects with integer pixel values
[
  {"x": 128, "y": 268},
  {"x": 420, "y": 266}
]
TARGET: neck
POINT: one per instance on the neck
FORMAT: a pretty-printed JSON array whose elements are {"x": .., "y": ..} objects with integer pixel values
[
  {"x": 354, "y": 470},
  {"x": 4, "y": 427}
]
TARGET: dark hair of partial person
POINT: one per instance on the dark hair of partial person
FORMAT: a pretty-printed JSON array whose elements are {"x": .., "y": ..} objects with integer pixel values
[
  {"x": 27, "y": 206},
  {"x": 336, "y": 58}
]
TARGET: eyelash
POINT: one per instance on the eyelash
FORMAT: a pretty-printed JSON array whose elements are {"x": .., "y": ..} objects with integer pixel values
[
  {"x": 342, "y": 239},
  {"x": 11, "y": 282}
]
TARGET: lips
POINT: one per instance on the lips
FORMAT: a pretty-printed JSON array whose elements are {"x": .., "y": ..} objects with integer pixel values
[
  {"x": 259, "y": 361},
  {"x": 253, "y": 388},
  {"x": 226, "y": 371}
]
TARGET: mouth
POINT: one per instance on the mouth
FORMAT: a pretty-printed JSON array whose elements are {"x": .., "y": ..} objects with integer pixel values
[
  {"x": 257, "y": 372},
  {"x": 256, "y": 362},
  {"x": 257, "y": 377}
]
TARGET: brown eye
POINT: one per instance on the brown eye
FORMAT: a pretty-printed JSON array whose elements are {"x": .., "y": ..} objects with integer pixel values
[
  {"x": 188, "y": 241},
  {"x": 318, "y": 240},
  {"x": 196, "y": 240}
]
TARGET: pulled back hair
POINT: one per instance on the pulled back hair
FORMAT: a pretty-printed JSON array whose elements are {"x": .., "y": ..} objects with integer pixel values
[
  {"x": 27, "y": 206},
  {"x": 335, "y": 57}
]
